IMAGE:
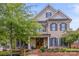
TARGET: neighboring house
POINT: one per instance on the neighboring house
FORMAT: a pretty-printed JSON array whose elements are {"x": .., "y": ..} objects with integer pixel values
[{"x": 54, "y": 23}]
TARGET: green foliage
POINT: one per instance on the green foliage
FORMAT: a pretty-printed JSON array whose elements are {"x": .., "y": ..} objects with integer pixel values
[
  {"x": 4, "y": 53},
  {"x": 63, "y": 50},
  {"x": 16, "y": 23},
  {"x": 56, "y": 50},
  {"x": 42, "y": 49},
  {"x": 72, "y": 50},
  {"x": 70, "y": 37}
]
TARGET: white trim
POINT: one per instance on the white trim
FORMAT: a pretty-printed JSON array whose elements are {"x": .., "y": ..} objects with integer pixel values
[
  {"x": 48, "y": 42},
  {"x": 29, "y": 45}
]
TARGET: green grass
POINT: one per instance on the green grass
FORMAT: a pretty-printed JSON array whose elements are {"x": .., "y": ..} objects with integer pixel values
[{"x": 5, "y": 53}]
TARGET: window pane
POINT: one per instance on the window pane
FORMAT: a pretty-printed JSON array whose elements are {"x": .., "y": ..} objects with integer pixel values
[
  {"x": 48, "y": 14},
  {"x": 62, "y": 27},
  {"x": 56, "y": 42},
  {"x": 53, "y": 27},
  {"x": 51, "y": 42}
]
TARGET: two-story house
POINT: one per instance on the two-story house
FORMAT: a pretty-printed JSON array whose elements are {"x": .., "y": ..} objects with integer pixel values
[{"x": 54, "y": 23}]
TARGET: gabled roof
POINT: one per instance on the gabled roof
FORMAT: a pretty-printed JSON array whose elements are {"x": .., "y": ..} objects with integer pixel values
[
  {"x": 60, "y": 15},
  {"x": 48, "y": 6}
]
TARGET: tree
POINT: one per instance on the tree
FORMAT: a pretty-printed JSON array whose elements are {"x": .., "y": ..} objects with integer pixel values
[
  {"x": 70, "y": 37},
  {"x": 16, "y": 23}
]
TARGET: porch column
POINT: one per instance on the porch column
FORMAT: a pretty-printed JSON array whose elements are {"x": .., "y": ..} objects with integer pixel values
[
  {"x": 29, "y": 44},
  {"x": 58, "y": 42},
  {"x": 48, "y": 42}
]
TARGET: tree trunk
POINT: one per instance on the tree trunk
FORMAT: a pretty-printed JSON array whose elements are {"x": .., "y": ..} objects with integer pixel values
[
  {"x": 11, "y": 37},
  {"x": 69, "y": 45}
]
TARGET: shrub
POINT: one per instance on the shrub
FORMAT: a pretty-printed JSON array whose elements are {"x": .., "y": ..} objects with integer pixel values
[
  {"x": 72, "y": 50},
  {"x": 53, "y": 50},
  {"x": 42, "y": 49},
  {"x": 63, "y": 50},
  {"x": 56, "y": 50},
  {"x": 49, "y": 50}
]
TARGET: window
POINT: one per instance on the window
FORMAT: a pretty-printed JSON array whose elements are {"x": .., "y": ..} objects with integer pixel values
[
  {"x": 53, "y": 42},
  {"x": 53, "y": 27},
  {"x": 56, "y": 42},
  {"x": 63, "y": 27},
  {"x": 48, "y": 14}
]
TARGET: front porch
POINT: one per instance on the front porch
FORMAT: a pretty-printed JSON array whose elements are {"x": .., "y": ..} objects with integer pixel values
[
  {"x": 41, "y": 41},
  {"x": 38, "y": 42}
]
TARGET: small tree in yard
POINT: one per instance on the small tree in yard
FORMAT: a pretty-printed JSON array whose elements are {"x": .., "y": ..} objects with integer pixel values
[{"x": 70, "y": 37}]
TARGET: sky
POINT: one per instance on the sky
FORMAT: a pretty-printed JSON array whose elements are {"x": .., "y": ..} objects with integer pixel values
[{"x": 70, "y": 9}]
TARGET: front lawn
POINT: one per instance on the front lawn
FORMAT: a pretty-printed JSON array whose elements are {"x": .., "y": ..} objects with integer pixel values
[{"x": 5, "y": 53}]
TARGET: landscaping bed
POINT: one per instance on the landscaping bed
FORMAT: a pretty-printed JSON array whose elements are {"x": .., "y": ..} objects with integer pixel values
[
  {"x": 44, "y": 52},
  {"x": 59, "y": 52}
]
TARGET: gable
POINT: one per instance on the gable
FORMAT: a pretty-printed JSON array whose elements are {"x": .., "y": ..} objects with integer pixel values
[
  {"x": 55, "y": 14},
  {"x": 42, "y": 15},
  {"x": 60, "y": 15}
]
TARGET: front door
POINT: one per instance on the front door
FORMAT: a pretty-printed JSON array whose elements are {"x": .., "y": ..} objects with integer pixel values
[{"x": 39, "y": 42}]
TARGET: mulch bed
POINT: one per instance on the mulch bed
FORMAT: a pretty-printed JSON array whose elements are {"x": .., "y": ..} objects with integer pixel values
[
  {"x": 59, "y": 54},
  {"x": 38, "y": 53}
]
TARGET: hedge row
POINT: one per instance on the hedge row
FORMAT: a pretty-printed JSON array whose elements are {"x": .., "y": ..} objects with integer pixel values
[{"x": 59, "y": 50}]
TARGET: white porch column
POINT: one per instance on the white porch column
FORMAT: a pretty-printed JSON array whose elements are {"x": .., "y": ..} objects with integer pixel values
[
  {"x": 48, "y": 42},
  {"x": 58, "y": 42},
  {"x": 29, "y": 44}
]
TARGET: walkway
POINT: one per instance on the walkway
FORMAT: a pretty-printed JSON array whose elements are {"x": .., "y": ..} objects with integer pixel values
[{"x": 34, "y": 52}]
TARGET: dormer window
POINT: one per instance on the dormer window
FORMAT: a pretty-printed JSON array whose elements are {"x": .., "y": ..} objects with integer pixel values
[{"x": 48, "y": 14}]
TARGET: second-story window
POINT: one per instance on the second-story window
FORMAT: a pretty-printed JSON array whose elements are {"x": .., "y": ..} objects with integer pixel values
[
  {"x": 48, "y": 14},
  {"x": 63, "y": 27},
  {"x": 53, "y": 27}
]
